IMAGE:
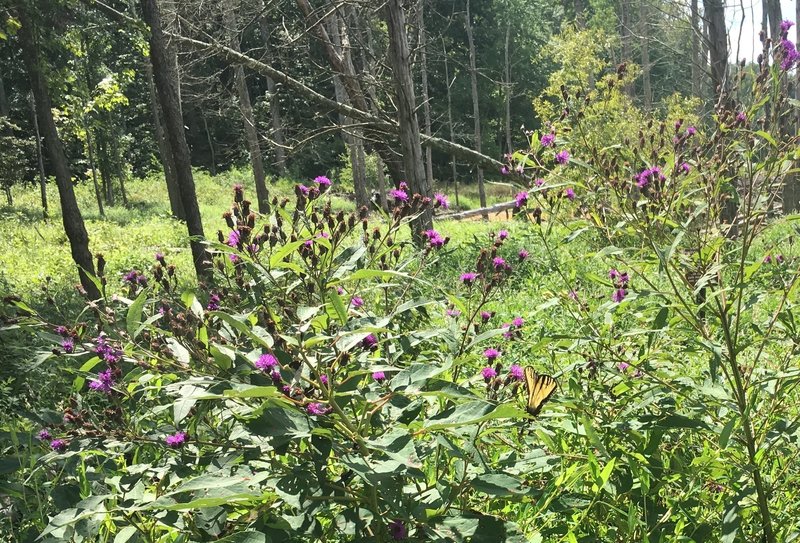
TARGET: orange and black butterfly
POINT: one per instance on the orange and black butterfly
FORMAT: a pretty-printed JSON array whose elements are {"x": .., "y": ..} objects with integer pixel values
[{"x": 540, "y": 388}]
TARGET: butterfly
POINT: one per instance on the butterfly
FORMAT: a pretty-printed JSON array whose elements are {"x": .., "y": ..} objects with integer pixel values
[{"x": 540, "y": 388}]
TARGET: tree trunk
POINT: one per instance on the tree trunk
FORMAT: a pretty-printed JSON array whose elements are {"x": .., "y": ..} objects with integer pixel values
[
  {"x": 93, "y": 167},
  {"x": 245, "y": 107},
  {"x": 274, "y": 106},
  {"x": 164, "y": 149},
  {"x": 426, "y": 105},
  {"x": 39, "y": 157},
  {"x": 450, "y": 121},
  {"x": 626, "y": 38},
  {"x": 476, "y": 114},
  {"x": 4, "y": 111},
  {"x": 790, "y": 198},
  {"x": 71, "y": 216},
  {"x": 645, "y": 49},
  {"x": 407, "y": 112},
  {"x": 775, "y": 17},
  {"x": 381, "y": 175},
  {"x": 697, "y": 72},
  {"x": 507, "y": 86},
  {"x": 717, "y": 45},
  {"x": 105, "y": 162},
  {"x": 168, "y": 98},
  {"x": 350, "y": 135}
]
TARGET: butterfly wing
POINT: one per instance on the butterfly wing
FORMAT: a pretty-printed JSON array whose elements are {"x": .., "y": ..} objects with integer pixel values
[{"x": 540, "y": 388}]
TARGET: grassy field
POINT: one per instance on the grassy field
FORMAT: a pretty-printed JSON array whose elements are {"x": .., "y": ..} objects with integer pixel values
[{"x": 34, "y": 253}]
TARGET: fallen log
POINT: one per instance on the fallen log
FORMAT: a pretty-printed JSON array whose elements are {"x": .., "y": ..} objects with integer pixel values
[{"x": 476, "y": 212}]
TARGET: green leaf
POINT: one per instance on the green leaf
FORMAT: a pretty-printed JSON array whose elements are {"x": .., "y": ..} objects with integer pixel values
[
  {"x": 472, "y": 413},
  {"x": 244, "y": 537},
  {"x": 338, "y": 305},
  {"x": 725, "y": 435},
  {"x": 498, "y": 484},
  {"x": 731, "y": 521},
  {"x": 125, "y": 534},
  {"x": 134, "y": 317}
]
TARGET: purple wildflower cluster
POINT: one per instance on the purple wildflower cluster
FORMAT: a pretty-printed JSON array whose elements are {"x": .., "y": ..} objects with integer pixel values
[
  {"x": 547, "y": 139},
  {"x": 316, "y": 408},
  {"x": 267, "y": 362},
  {"x": 788, "y": 50},
  {"x": 778, "y": 259},
  {"x": 562, "y": 157},
  {"x": 620, "y": 280},
  {"x": 440, "y": 200},
  {"x": 104, "y": 382},
  {"x": 370, "y": 343},
  {"x": 356, "y": 302},
  {"x": 513, "y": 329},
  {"x": 649, "y": 175},
  {"x": 135, "y": 278},
  {"x": 468, "y": 278},
  {"x": 521, "y": 199},
  {"x": 435, "y": 239},
  {"x": 176, "y": 440},
  {"x": 68, "y": 338},
  {"x": 213, "y": 302}
]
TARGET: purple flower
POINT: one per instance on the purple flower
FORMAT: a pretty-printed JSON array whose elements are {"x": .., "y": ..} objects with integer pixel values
[
  {"x": 521, "y": 199},
  {"x": 103, "y": 383},
  {"x": 176, "y": 440},
  {"x": 685, "y": 167},
  {"x": 322, "y": 181},
  {"x": 403, "y": 186},
  {"x": 768, "y": 259},
  {"x": 504, "y": 170},
  {"x": 356, "y": 301},
  {"x": 569, "y": 193},
  {"x": 266, "y": 362},
  {"x": 468, "y": 278},
  {"x": 741, "y": 117},
  {"x": 435, "y": 239},
  {"x": 523, "y": 254},
  {"x": 691, "y": 131},
  {"x": 441, "y": 200},
  {"x": 44, "y": 435},
  {"x": 453, "y": 313},
  {"x": 619, "y": 295},
  {"x": 379, "y": 376},
  {"x": 779, "y": 259},
  {"x": 538, "y": 182},
  {"x": 68, "y": 345},
  {"x": 517, "y": 372},
  {"x": 397, "y": 530},
  {"x": 518, "y": 322},
  {"x": 562, "y": 157},
  {"x": 339, "y": 290},
  {"x": 785, "y": 26},
  {"x": 547, "y": 139},
  {"x": 491, "y": 354},
  {"x": 499, "y": 263},
  {"x": 316, "y": 408},
  {"x": 398, "y": 195},
  {"x": 58, "y": 445},
  {"x": 485, "y": 316},
  {"x": 647, "y": 175},
  {"x": 233, "y": 238},
  {"x": 613, "y": 273},
  {"x": 213, "y": 302},
  {"x": 62, "y": 331},
  {"x": 303, "y": 189},
  {"x": 573, "y": 295},
  {"x": 276, "y": 376},
  {"x": 323, "y": 379},
  {"x": 789, "y": 54},
  {"x": 502, "y": 234},
  {"x": 623, "y": 366},
  {"x": 370, "y": 342},
  {"x": 488, "y": 373}
]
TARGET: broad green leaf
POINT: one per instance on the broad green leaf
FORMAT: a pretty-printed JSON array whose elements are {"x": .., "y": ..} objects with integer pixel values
[{"x": 134, "y": 316}]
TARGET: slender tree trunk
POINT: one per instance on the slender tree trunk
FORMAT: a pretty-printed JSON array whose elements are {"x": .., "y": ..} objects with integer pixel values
[
  {"x": 93, "y": 167},
  {"x": 381, "y": 182},
  {"x": 645, "y": 49},
  {"x": 773, "y": 11},
  {"x": 476, "y": 114},
  {"x": 4, "y": 112},
  {"x": 507, "y": 86},
  {"x": 697, "y": 72},
  {"x": 407, "y": 112},
  {"x": 211, "y": 150},
  {"x": 717, "y": 45},
  {"x": 164, "y": 149},
  {"x": 39, "y": 157},
  {"x": 246, "y": 109},
  {"x": 168, "y": 98},
  {"x": 626, "y": 38},
  {"x": 426, "y": 105},
  {"x": 74, "y": 226},
  {"x": 450, "y": 121},
  {"x": 790, "y": 199},
  {"x": 274, "y": 106},
  {"x": 350, "y": 135}
]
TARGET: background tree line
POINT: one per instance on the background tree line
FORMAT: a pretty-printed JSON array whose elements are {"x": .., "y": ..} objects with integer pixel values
[{"x": 428, "y": 91}]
